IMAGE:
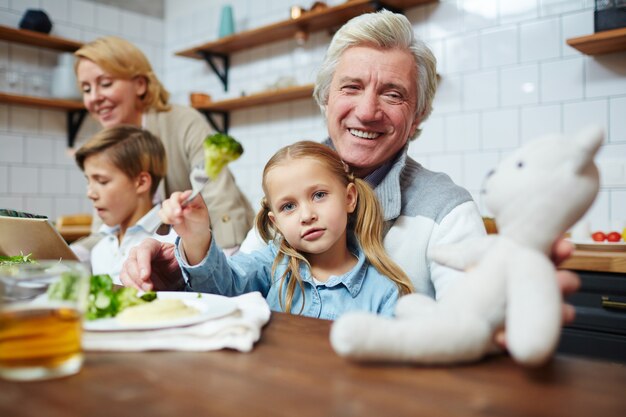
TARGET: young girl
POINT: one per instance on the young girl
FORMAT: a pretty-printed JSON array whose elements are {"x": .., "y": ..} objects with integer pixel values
[
  {"x": 323, "y": 226},
  {"x": 123, "y": 166}
]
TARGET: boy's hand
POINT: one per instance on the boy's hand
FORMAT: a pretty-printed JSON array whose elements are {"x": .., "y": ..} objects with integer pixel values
[{"x": 191, "y": 223}]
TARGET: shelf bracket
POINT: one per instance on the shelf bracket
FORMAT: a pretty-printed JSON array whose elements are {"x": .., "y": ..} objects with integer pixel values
[
  {"x": 225, "y": 116},
  {"x": 379, "y": 5},
  {"x": 222, "y": 74},
  {"x": 74, "y": 120}
]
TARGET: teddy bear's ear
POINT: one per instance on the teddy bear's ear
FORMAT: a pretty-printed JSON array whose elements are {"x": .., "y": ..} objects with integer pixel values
[{"x": 589, "y": 141}]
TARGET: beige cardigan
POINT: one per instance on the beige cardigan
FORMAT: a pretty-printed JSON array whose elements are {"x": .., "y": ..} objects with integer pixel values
[{"x": 182, "y": 131}]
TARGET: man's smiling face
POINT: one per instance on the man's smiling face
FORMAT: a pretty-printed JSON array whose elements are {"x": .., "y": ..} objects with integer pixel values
[{"x": 371, "y": 106}]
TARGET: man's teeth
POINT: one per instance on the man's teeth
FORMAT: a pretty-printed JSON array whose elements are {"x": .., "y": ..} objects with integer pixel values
[
  {"x": 104, "y": 111},
  {"x": 364, "y": 135}
]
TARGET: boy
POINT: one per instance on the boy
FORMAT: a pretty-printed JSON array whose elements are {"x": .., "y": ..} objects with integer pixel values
[{"x": 123, "y": 166}]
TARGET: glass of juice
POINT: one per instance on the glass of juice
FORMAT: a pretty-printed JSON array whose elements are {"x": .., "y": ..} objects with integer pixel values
[{"x": 41, "y": 309}]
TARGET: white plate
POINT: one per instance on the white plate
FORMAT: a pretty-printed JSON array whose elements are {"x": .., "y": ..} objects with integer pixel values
[
  {"x": 211, "y": 306},
  {"x": 599, "y": 246}
]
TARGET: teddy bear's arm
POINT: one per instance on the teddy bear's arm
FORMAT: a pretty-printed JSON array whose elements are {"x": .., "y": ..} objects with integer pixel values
[
  {"x": 444, "y": 337},
  {"x": 462, "y": 255},
  {"x": 533, "y": 319}
]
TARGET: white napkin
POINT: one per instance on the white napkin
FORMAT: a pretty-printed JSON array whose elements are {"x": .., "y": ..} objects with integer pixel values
[{"x": 239, "y": 330}]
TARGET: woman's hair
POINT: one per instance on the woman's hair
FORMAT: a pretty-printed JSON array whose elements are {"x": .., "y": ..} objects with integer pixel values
[
  {"x": 366, "y": 221},
  {"x": 131, "y": 149},
  {"x": 382, "y": 30},
  {"x": 122, "y": 59}
]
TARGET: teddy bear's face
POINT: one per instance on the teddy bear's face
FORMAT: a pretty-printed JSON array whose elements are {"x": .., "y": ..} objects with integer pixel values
[{"x": 550, "y": 177}]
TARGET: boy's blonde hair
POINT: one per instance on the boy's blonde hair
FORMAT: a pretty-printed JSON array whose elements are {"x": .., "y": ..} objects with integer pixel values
[
  {"x": 131, "y": 149},
  {"x": 366, "y": 222},
  {"x": 124, "y": 60}
]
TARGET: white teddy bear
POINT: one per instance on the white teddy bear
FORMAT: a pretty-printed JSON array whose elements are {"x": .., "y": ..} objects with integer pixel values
[{"x": 535, "y": 194}]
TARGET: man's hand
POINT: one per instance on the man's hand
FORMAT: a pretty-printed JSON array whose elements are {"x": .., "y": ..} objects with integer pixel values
[{"x": 152, "y": 266}]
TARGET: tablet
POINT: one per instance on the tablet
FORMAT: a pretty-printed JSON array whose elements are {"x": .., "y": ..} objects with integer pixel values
[{"x": 32, "y": 236}]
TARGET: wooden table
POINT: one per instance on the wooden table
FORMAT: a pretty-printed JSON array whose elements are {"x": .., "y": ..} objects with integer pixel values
[
  {"x": 292, "y": 371},
  {"x": 597, "y": 261}
]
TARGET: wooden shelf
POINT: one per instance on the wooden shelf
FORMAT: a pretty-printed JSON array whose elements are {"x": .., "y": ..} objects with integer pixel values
[
  {"x": 268, "y": 97},
  {"x": 308, "y": 22},
  {"x": 29, "y": 37},
  {"x": 76, "y": 111},
  {"x": 50, "y": 103},
  {"x": 600, "y": 43}
]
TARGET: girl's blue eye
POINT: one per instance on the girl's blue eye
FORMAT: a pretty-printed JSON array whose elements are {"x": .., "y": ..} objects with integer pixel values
[
  {"x": 319, "y": 195},
  {"x": 287, "y": 207}
]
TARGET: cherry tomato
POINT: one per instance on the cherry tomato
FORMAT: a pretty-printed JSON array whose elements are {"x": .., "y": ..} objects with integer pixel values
[
  {"x": 598, "y": 237},
  {"x": 614, "y": 237}
]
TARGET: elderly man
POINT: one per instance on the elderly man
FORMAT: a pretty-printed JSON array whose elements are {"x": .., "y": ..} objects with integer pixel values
[{"x": 375, "y": 87}]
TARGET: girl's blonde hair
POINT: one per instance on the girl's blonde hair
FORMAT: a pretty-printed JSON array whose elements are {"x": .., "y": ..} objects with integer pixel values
[
  {"x": 131, "y": 149},
  {"x": 366, "y": 222},
  {"x": 124, "y": 60}
]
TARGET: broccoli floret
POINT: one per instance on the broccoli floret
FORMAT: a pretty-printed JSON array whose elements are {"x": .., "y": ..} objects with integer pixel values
[{"x": 219, "y": 150}]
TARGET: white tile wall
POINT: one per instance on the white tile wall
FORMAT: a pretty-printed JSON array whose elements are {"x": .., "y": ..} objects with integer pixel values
[{"x": 507, "y": 76}]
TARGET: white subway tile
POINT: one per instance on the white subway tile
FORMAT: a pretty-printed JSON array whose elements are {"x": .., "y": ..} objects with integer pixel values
[
  {"x": 82, "y": 13},
  {"x": 448, "y": 97},
  {"x": 53, "y": 181},
  {"x": 9, "y": 18},
  {"x": 108, "y": 19},
  {"x": 154, "y": 30},
  {"x": 518, "y": 10},
  {"x": 42, "y": 206},
  {"x": 500, "y": 129},
  {"x": 574, "y": 25},
  {"x": 39, "y": 151},
  {"x": 618, "y": 202},
  {"x": 499, "y": 46},
  {"x": 478, "y": 14},
  {"x": 66, "y": 31},
  {"x": 480, "y": 90},
  {"x": 462, "y": 53},
  {"x": 604, "y": 75},
  {"x": 20, "y": 6},
  {"x": 23, "y": 119},
  {"x": 462, "y": 132},
  {"x": 561, "y": 80},
  {"x": 540, "y": 40},
  {"x": 24, "y": 180},
  {"x": 617, "y": 122},
  {"x": 519, "y": 85},
  {"x": 4, "y": 179},
  {"x": 538, "y": 121},
  {"x": 132, "y": 26},
  {"x": 53, "y": 122},
  {"x": 476, "y": 166},
  {"x": 57, "y": 10},
  {"x": 12, "y": 148},
  {"x": 555, "y": 7},
  {"x": 12, "y": 202},
  {"x": 77, "y": 184},
  {"x": 579, "y": 115},
  {"x": 67, "y": 205},
  {"x": 432, "y": 138},
  {"x": 598, "y": 214},
  {"x": 443, "y": 20}
]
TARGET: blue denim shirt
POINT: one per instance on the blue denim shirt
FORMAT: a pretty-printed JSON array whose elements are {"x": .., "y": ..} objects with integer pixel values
[{"x": 362, "y": 288}]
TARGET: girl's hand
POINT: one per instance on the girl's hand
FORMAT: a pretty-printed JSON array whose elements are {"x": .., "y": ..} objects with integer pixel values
[{"x": 191, "y": 223}]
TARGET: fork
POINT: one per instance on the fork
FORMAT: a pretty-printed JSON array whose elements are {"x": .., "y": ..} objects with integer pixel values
[{"x": 198, "y": 179}]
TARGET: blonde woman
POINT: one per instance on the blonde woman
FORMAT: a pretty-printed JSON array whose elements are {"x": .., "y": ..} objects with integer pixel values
[
  {"x": 119, "y": 87},
  {"x": 323, "y": 227}
]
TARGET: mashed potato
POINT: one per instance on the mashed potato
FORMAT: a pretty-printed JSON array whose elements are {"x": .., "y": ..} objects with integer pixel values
[{"x": 157, "y": 311}]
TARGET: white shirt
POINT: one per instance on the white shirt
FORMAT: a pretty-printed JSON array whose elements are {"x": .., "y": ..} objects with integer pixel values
[{"x": 108, "y": 255}]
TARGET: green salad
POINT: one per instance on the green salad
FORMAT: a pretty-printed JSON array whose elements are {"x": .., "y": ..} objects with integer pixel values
[
  {"x": 104, "y": 299},
  {"x": 15, "y": 260}
]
